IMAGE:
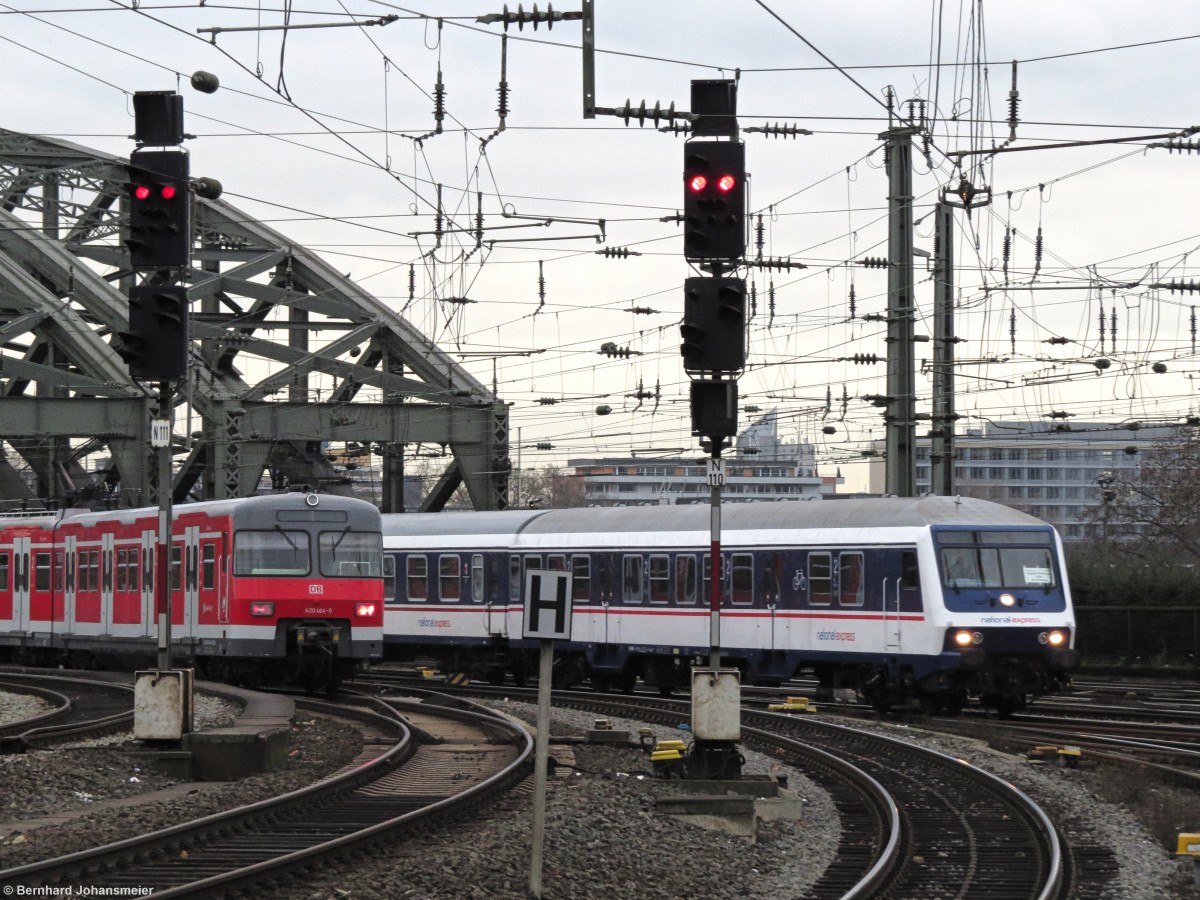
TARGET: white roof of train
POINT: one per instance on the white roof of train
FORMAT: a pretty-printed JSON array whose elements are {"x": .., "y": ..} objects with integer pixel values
[{"x": 856, "y": 513}]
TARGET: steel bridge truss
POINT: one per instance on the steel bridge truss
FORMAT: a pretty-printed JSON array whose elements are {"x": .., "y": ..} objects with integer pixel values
[{"x": 285, "y": 354}]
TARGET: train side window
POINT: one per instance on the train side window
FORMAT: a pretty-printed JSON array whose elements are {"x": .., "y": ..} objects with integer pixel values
[
  {"x": 133, "y": 566},
  {"x": 94, "y": 569},
  {"x": 850, "y": 572},
  {"x": 529, "y": 562},
  {"x": 910, "y": 575},
  {"x": 820, "y": 579},
  {"x": 743, "y": 578},
  {"x": 4, "y": 564},
  {"x": 774, "y": 576},
  {"x": 660, "y": 578},
  {"x": 86, "y": 572},
  {"x": 389, "y": 577},
  {"x": 685, "y": 579},
  {"x": 514, "y": 579},
  {"x": 41, "y": 571},
  {"x": 631, "y": 580},
  {"x": 58, "y": 571},
  {"x": 581, "y": 578},
  {"x": 477, "y": 581},
  {"x": 706, "y": 577},
  {"x": 556, "y": 562},
  {"x": 417, "y": 578},
  {"x": 450, "y": 578},
  {"x": 176, "y": 582},
  {"x": 208, "y": 566},
  {"x": 122, "y": 576}
]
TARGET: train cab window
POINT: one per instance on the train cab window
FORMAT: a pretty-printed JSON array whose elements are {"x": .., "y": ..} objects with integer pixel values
[
  {"x": 910, "y": 575},
  {"x": 122, "y": 572},
  {"x": 850, "y": 579},
  {"x": 820, "y": 579},
  {"x": 208, "y": 566},
  {"x": 41, "y": 571},
  {"x": 556, "y": 562},
  {"x": 277, "y": 552},
  {"x": 581, "y": 578},
  {"x": 477, "y": 579},
  {"x": 631, "y": 579},
  {"x": 743, "y": 578},
  {"x": 4, "y": 564},
  {"x": 350, "y": 554},
  {"x": 514, "y": 579},
  {"x": 660, "y": 578},
  {"x": 176, "y": 582},
  {"x": 450, "y": 578},
  {"x": 417, "y": 578},
  {"x": 685, "y": 579},
  {"x": 389, "y": 577}
]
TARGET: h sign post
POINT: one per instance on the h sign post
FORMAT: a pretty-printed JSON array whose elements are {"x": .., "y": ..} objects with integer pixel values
[{"x": 548, "y": 617}]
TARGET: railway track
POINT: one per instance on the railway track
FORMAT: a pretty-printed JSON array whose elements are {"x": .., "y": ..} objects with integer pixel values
[
  {"x": 915, "y": 823},
  {"x": 81, "y": 708},
  {"x": 428, "y": 762}
]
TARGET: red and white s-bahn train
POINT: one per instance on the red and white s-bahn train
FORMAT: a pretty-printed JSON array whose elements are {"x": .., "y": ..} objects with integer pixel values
[
  {"x": 285, "y": 586},
  {"x": 926, "y": 601}
]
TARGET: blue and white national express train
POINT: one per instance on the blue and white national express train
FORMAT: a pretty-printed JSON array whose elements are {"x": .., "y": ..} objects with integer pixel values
[{"x": 923, "y": 601}]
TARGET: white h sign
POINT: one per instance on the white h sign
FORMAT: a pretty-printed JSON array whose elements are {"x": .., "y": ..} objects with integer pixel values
[{"x": 547, "y": 605}]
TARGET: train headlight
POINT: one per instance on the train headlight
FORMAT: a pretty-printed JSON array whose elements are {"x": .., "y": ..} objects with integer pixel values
[
  {"x": 1007, "y": 599},
  {"x": 364, "y": 610},
  {"x": 1056, "y": 639},
  {"x": 966, "y": 638},
  {"x": 262, "y": 609}
]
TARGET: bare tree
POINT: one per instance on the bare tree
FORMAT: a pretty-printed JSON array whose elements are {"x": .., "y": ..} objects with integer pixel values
[
  {"x": 1155, "y": 513},
  {"x": 550, "y": 487}
]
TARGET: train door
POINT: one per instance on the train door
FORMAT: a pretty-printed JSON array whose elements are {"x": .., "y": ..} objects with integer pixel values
[
  {"x": 497, "y": 614},
  {"x": 191, "y": 578},
  {"x": 21, "y": 582},
  {"x": 106, "y": 583},
  {"x": 149, "y": 612},
  {"x": 223, "y": 579},
  {"x": 7, "y": 589},
  {"x": 72, "y": 584},
  {"x": 901, "y": 592}
]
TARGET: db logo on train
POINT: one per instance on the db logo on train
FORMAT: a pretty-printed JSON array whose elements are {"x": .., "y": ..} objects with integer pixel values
[{"x": 316, "y": 588}]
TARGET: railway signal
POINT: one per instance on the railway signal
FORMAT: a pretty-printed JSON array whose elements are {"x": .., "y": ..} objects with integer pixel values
[
  {"x": 714, "y": 325},
  {"x": 714, "y": 200},
  {"x": 156, "y": 345},
  {"x": 160, "y": 209}
]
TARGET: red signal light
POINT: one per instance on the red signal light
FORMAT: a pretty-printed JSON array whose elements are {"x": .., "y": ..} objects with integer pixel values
[
  {"x": 698, "y": 183},
  {"x": 726, "y": 183},
  {"x": 168, "y": 191},
  {"x": 141, "y": 192}
]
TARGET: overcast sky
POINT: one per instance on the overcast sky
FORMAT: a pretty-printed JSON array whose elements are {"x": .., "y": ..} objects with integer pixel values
[{"x": 325, "y": 133}]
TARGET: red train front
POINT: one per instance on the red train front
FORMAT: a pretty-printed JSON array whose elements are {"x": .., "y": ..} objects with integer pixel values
[{"x": 283, "y": 586}]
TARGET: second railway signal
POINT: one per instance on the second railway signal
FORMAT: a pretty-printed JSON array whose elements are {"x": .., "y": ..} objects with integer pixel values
[
  {"x": 714, "y": 325},
  {"x": 714, "y": 200},
  {"x": 156, "y": 345}
]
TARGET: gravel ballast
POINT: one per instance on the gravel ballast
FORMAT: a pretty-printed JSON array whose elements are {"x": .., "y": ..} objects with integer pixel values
[{"x": 603, "y": 837}]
